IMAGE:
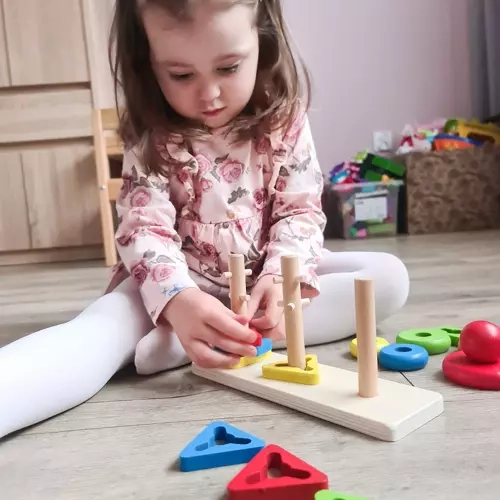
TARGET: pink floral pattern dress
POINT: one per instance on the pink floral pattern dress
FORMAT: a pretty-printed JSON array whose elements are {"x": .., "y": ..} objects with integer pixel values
[{"x": 261, "y": 199}]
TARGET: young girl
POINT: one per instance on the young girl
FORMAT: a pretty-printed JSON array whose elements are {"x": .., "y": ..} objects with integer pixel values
[{"x": 219, "y": 160}]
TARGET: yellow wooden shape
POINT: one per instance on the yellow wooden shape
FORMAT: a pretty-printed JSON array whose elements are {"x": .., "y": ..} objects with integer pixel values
[
  {"x": 353, "y": 347},
  {"x": 281, "y": 371},
  {"x": 475, "y": 130},
  {"x": 250, "y": 361}
]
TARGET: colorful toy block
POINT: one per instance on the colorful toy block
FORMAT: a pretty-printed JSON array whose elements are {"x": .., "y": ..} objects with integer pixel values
[
  {"x": 434, "y": 340},
  {"x": 477, "y": 362},
  {"x": 264, "y": 350},
  {"x": 333, "y": 495},
  {"x": 353, "y": 346},
  {"x": 276, "y": 474},
  {"x": 258, "y": 340},
  {"x": 403, "y": 357},
  {"x": 453, "y": 332},
  {"x": 282, "y": 371},
  {"x": 374, "y": 168},
  {"x": 219, "y": 445}
]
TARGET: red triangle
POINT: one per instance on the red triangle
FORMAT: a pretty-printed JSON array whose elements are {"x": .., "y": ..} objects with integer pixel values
[{"x": 297, "y": 480}]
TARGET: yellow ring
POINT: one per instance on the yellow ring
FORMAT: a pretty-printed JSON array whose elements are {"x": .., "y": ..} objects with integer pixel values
[{"x": 353, "y": 347}]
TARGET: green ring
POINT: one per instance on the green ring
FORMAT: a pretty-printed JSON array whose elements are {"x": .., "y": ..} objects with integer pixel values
[
  {"x": 332, "y": 495},
  {"x": 454, "y": 334},
  {"x": 433, "y": 340}
]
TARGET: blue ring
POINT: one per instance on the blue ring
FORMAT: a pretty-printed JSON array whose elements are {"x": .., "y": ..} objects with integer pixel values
[{"x": 403, "y": 357}]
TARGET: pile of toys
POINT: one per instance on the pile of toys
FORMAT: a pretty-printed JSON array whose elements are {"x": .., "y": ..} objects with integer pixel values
[
  {"x": 448, "y": 135},
  {"x": 364, "y": 192},
  {"x": 366, "y": 167},
  {"x": 441, "y": 135}
]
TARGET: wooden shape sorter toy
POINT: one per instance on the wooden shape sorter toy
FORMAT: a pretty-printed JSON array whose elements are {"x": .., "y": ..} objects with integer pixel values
[{"x": 360, "y": 400}]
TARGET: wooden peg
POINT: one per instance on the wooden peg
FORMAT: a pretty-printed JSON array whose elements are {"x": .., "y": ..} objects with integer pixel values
[
  {"x": 366, "y": 335},
  {"x": 293, "y": 312},
  {"x": 237, "y": 284}
]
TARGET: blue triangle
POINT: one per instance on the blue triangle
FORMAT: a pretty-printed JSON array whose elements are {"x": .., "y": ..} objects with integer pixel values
[
  {"x": 266, "y": 346},
  {"x": 219, "y": 445}
]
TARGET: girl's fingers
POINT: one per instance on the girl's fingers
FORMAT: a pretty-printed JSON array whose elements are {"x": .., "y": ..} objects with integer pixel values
[
  {"x": 237, "y": 348},
  {"x": 278, "y": 332},
  {"x": 254, "y": 302},
  {"x": 204, "y": 356},
  {"x": 225, "y": 343},
  {"x": 272, "y": 313},
  {"x": 232, "y": 326}
]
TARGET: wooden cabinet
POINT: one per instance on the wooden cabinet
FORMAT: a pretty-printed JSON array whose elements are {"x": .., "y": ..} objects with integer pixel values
[
  {"x": 45, "y": 42},
  {"x": 44, "y": 114},
  {"x": 14, "y": 225},
  {"x": 4, "y": 62},
  {"x": 52, "y": 72},
  {"x": 48, "y": 197},
  {"x": 61, "y": 194}
]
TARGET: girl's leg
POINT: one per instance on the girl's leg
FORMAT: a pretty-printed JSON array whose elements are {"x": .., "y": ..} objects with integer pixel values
[
  {"x": 332, "y": 316},
  {"x": 159, "y": 350},
  {"x": 53, "y": 370}
]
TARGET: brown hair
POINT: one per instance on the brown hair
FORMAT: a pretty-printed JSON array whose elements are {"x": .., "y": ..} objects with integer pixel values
[{"x": 277, "y": 99}]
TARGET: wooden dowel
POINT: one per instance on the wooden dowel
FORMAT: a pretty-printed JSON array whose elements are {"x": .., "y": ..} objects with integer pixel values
[
  {"x": 293, "y": 312},
  {"x": 366, "y": 334},
  {"x": 237, "y": 284}
]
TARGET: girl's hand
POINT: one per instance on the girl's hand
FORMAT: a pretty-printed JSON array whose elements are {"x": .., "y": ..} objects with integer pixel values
[
  {"x": 265, "y": 297},
  {"x": 202, "y": 322}
]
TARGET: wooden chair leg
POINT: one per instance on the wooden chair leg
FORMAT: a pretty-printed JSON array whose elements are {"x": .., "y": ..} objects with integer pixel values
[
  {"x": 108, "y": 233},
  {"x": 102, "y": 166}
]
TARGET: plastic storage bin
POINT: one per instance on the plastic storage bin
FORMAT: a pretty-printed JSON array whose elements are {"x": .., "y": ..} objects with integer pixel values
[{"x": 364, "y": 210}]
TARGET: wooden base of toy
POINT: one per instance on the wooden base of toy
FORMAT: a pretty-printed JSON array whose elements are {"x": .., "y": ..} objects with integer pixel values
[{"x": 397, "y": 411}]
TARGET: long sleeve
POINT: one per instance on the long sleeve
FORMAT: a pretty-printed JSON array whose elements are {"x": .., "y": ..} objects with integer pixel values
[
  {"x": 297, "y": 219},
  {"x": 147, "y": 242}
]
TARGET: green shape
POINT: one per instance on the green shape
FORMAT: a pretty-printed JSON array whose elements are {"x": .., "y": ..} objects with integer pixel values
[
  {"x": 454, "y": 334},
  {"x": 371, "y": 176},
  {"x": 388, "y": 165},
  {"x": 333, "y": 495},
  {"x": 361, "y": 156},
  {"x": 383, "y": 228},
  {"x": 450, "y": 127},
  {"x": 433, "y": 340}
]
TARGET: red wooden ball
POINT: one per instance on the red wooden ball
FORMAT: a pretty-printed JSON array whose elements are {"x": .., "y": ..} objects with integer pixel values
[{"x": 480, "y": 341}]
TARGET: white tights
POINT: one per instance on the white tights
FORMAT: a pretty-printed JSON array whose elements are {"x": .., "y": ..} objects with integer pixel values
[{"x": 58, "y": 368}]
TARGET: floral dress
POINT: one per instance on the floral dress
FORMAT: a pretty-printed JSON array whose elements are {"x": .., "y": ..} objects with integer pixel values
[{"x": 260, "y": 199}]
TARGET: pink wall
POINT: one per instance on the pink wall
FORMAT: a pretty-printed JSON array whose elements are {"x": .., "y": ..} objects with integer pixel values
[{"x": 379, "y": 64}]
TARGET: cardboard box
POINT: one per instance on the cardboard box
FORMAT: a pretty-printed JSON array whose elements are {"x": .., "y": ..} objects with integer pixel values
[{"x": 452, "y": 191}]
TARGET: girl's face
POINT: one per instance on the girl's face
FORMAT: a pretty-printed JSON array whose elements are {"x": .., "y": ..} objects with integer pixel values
[{"x": 207, "y": 67}]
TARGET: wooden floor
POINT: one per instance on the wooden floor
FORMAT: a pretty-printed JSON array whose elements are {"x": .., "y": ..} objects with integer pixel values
[{"x": 123, "y": 443}]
